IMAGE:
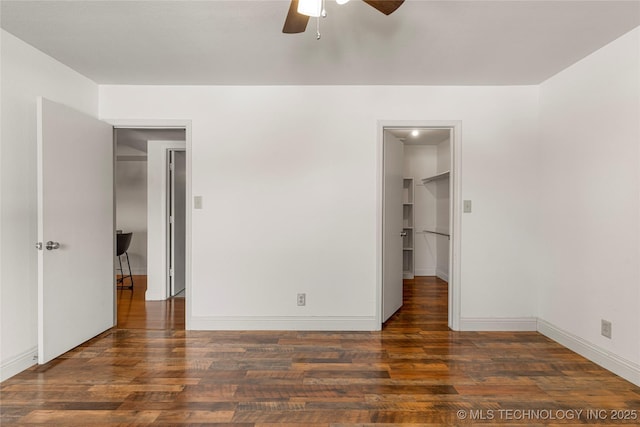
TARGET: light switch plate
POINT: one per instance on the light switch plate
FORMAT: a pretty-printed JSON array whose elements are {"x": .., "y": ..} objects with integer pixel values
[
  {"x": 466, "y": 206},
  {"x": 197, "y": 202},
  {"x": 605, "y": 328}
]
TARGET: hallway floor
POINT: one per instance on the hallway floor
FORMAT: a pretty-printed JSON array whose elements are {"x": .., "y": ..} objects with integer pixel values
[{"x": 136, "y": 313}]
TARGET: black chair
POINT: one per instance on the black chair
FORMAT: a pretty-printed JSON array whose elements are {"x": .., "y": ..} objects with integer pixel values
[{"x": 123, "y": 241}]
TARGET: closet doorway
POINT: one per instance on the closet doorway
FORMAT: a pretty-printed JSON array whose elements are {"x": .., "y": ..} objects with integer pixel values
[{"x": 419, "y": 212}]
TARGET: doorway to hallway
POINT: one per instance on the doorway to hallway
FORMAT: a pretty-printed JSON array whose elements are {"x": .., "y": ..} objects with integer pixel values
[{"x": 151, "y": 203}]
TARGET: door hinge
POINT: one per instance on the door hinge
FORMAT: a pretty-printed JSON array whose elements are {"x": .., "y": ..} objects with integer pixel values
[
  {"x": 170, "y": 219},
  {"x": 171, "y": 272},
  {"x": 171, "y": 167}
]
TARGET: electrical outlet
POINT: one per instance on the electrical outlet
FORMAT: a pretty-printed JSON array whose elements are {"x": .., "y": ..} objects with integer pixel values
[
  {"x": 302, "y": 299},
  {"x": 605, "y": 328}
]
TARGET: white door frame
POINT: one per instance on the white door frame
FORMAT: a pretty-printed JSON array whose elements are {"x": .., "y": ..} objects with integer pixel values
[
  {"x": 456, "y": 202},
  {"x": 158, "y": 217},
  {"x": 171, "y": 124}
]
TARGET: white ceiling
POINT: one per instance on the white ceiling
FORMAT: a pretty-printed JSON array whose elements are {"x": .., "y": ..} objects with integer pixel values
[
  {"x": 240, "y": 42},
  {"x": 426, "y": 136}
]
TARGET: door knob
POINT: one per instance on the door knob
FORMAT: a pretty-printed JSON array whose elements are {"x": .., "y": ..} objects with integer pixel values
[
  {"x": 52, "y": 245},
  {"x": 403, "y": 234}
]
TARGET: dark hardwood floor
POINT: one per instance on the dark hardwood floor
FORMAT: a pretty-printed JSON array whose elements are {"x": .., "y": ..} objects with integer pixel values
[{"x": 414, "y": 372}]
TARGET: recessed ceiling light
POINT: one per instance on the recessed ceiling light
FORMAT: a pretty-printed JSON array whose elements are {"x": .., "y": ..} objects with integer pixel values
[{"x": 415, "y": 132}]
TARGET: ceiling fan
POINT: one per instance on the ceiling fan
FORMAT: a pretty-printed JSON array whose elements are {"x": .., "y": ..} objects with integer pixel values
[{"x": 301, "y": 10}]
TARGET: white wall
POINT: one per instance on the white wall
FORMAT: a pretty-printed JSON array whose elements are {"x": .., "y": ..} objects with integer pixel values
[
  {"x": 26, "y": 73},
  {"x": 289, "y": 181},
  {"x": 131, "y": 209},
  {"x": 590, "y": 210}
]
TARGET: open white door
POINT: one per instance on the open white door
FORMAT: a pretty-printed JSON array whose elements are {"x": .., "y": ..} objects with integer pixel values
[
  {"x": 177, "y": 218},
  {"x": 76, "y": 293},
  {"x": 393, "y": 155}
]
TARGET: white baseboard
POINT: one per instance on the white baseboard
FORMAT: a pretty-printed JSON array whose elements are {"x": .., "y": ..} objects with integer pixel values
[
  {"x": 627, "y": 369},
  {"x": 277, "y": 323},
  {"x": 154, "y": 295},
  {"x": 425, "y": 271},
  {"x": 509, "y": 324},
  {"x": 19, "y": 363},
  {"x": 443, "y": 275}
]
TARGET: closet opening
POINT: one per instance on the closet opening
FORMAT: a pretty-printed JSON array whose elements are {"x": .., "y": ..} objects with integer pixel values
[{"x": 419, "y": 231}]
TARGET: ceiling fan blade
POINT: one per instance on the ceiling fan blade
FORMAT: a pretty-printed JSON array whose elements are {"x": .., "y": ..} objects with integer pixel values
[
  {"x": 385, "y": 6},
  {"x": 295, "y": 22}
]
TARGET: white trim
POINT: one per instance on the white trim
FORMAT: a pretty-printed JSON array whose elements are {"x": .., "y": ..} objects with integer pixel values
[
  {"x": 431, "y": 271},
  {"x": 379, "y": 231},
  {"x": 40, "y": 226},
  {"x": 147, "y": 123},
  {"x": 455, "y": 245},
  {"x": 495, "y": 324},
  {"x": 285, "y": 323},
  {"x": 158, "y": 217},
  {"x": 18, "y": 363},
  {"x": 616, "y": 364},
  {"x": 155, "y": 294},
  {"x": 168, "y": 123},
  {"x": 442, "y": 275},
  {"x": 455, "y": 289}
]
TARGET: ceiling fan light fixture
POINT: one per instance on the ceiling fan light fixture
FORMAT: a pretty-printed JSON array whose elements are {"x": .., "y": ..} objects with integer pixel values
[
  {"x": 310, "y": 7},
  {"x": 300, "y": 11}
]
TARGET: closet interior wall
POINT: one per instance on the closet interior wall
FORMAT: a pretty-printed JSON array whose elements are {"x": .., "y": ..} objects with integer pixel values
[{"x": 431, "y": 206}]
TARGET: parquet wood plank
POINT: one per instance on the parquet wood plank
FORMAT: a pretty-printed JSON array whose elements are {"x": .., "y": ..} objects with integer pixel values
[
  {"x": 83, "y": 418},
  {"x": 199, "y": 417}
]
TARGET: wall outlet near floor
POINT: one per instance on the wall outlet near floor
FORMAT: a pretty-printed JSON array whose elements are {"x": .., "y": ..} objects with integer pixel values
[
  {"x": 605, "y": 328},
  {"x": 302, "y": 299}
]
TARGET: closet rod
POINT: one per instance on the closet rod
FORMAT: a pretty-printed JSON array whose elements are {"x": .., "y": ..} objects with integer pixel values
[{"x": 435, "y": 232}]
